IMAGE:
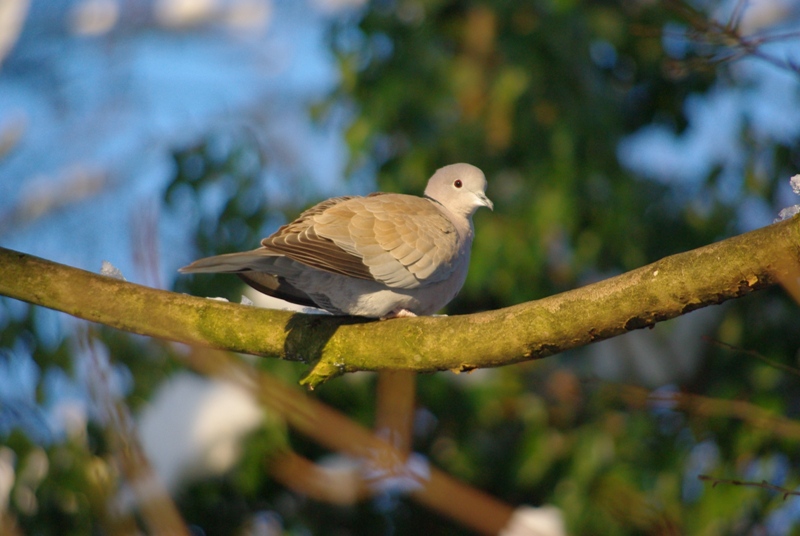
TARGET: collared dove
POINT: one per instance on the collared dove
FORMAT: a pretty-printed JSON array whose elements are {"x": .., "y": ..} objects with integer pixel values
[{"x": 380, "y": 256}]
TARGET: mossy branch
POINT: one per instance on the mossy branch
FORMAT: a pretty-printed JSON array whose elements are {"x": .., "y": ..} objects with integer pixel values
[{"x": 665, "y": 289}]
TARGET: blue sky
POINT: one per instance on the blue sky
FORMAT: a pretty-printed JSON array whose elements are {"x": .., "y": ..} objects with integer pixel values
[
  {"x": 99, "y": 115},
  {"x": 94, "y": 106}
]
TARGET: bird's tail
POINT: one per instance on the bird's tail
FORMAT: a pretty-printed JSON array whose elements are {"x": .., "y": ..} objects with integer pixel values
[{"x": 229, "y": 263}]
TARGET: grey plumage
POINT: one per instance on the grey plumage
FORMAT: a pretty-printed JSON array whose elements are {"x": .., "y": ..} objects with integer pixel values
[{"x": 382, "y": 255}]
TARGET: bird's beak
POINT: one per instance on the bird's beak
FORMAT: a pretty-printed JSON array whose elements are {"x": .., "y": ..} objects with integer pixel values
[{"x": 485, "y": 201}]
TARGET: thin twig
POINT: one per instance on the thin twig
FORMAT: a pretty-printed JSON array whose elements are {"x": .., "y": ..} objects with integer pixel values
[
  {"x": 725, "y": 40},
  {"x": 763, "y": 484},
  {"x": 704, "y": 406},
  {"x": 753, "y": 353},
  {"x": 736, "y": 15}
]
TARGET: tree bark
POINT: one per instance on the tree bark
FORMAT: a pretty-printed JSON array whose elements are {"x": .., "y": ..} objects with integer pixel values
[{"x": 665, "y": 289}]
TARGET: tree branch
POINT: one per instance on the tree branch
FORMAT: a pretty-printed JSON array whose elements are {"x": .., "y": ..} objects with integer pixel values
[{"x": 333, "y": 345}]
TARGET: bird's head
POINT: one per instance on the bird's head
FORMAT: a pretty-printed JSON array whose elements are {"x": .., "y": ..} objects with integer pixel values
[{"x": 461, "y": 188}]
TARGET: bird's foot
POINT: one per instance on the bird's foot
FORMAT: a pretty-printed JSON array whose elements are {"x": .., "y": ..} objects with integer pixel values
[{"x": 398, "y": 313}]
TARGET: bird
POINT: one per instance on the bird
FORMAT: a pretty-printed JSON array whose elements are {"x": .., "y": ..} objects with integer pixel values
[{"x": 383, "y": 255}]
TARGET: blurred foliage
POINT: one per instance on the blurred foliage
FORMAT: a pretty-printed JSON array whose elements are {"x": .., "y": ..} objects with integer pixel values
[
  {"x": 218, "y": 184},
  {"x": 537, "y": 94},
  {"x": 513, "y": 88}
]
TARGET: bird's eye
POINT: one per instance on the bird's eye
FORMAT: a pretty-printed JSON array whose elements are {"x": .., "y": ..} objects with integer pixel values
[{"x": 457, "y": 184}]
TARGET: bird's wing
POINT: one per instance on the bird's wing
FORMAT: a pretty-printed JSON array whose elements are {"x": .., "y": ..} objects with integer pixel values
[{"x": 399, "y": 240}]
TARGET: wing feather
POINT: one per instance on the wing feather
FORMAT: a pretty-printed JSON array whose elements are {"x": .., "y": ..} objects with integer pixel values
[{"x": 401, "y": 241}]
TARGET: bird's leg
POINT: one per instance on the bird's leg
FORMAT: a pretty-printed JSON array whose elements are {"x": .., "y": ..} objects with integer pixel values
[{"x": 398, "y": 313}]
